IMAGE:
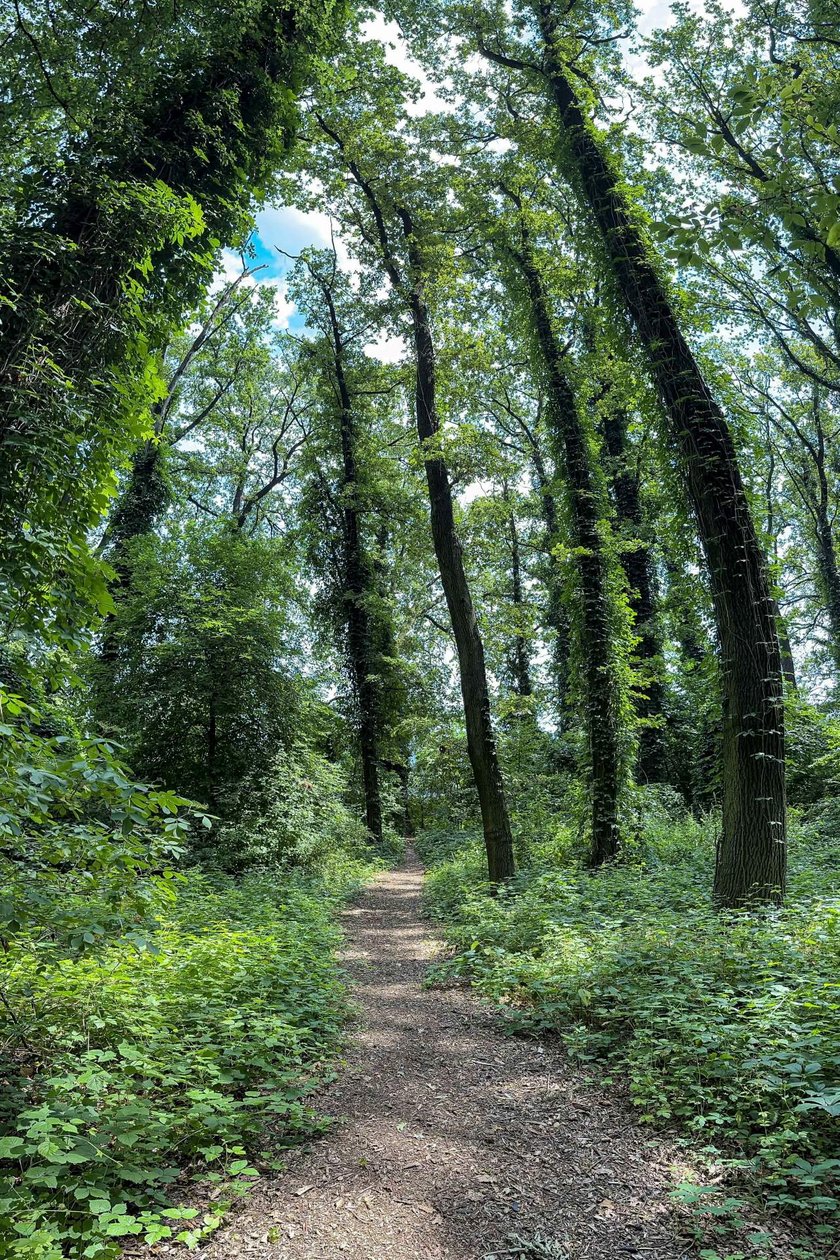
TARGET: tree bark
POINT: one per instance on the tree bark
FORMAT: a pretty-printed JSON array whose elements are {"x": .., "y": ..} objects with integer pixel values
[
  {"x": 751, "y": 858},
  {"x": 585, "y": 513},
  {"x": 481, "y": 739},
  {"x": 357, "y": 578},
  {"x": 519, "y": 664},
  {"x": 636, "y": 562}
]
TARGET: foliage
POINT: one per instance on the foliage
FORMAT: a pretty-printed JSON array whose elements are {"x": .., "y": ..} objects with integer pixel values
[
  {"x": 217, "y": 575},
  {"x": 296, "y": 816},
  {"x": 200, "y": 691},
  {"x": 135, "y": 1073},
  {"x": 725, "y": 1026},
  {"x": 137, "y": 144},
  {"x": 86, "y": 852}
]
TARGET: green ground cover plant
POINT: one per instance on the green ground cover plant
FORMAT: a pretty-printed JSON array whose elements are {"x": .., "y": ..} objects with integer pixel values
[
  {"x": 130, "y": 1074},
  {"x": 724, "y": 1026}
]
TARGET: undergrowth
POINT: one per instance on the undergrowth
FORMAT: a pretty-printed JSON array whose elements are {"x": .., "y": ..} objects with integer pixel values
[
  {"x": 726, "y": 1026},
  {"x": 130, "y": 1073}
]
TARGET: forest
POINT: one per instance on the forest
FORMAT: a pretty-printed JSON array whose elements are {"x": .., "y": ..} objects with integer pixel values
[{"x": 419, "y": 463}]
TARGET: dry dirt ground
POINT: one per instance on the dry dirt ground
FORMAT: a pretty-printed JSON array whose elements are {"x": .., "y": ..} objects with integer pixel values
[{"x": 453, "y": 1139}]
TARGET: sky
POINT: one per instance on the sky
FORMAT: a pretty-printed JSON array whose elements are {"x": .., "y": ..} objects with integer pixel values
[{"x": 292, "y": 230}]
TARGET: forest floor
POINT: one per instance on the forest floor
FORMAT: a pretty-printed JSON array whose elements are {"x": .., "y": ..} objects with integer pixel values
[{"x": 452, "y": 1139}]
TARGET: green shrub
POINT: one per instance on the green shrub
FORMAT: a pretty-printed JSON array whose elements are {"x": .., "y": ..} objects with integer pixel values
[
  {"x": 727, "y": 1025},
  {"x": 297, "y": 818},
  {"x": 131, "y": 1070}
]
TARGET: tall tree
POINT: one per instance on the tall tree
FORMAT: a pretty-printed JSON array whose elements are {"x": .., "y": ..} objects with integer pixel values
[
  {"x": 327, "y": 301},
  {"x": 137, "y": 143},
  {"x": 587, "y": 526},
  {"x": 399, "y": 236},
  {"x": 752, "y": 851},
  {"x": 638, "y": 569}
]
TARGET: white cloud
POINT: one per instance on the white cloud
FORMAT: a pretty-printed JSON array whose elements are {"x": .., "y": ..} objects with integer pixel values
[
  {"x": 386, "y": 348},
  {"x": 284, "y": 308},
  {"x": 294, "y": 230},
  {"x": 290, "y": 229}
]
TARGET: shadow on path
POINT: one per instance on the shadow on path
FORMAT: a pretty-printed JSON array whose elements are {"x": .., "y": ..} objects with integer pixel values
[{"x": 453, "y": 1137}]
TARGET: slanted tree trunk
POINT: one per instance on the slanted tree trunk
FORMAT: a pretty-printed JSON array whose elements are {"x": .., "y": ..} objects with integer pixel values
[
  {"x": 585, "y": 513},
  {"x": 751, "y": 859},
  {"x": 146, "y": 493},
  {"x": 481, "y": 739},
  {"x": 137, "y": 510},
  {"x": 636, "y": 562}
]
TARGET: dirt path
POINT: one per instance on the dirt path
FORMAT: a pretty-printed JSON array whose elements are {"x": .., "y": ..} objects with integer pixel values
[{"x": 454, "y": 1136}]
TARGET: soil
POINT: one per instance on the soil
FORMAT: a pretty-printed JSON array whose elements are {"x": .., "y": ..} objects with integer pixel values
[{"x": 452, "y": 1139}]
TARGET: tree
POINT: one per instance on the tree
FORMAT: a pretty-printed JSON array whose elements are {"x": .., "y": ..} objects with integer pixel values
[
  {"x": 326, "y": 298},
  {"x": 399, "y": 240},
  {"x": 587, "y": 527},
  {"x": 201, "y": 689},
  {"x": 752, "y": 852},
  {"x": 125, "y": 167}
]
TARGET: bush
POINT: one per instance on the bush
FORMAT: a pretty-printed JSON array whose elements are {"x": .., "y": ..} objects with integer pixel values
[
  {"x": 86, "y": 851},
  {"x": 297, "y": 818},
  {"x": 133, "y": 1071},
  {"x": 727, "y": 1025}
]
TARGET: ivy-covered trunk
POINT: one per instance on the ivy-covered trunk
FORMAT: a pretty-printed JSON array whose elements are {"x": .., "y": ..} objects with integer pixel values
[
  {"x": 357, "y": 590},
  {"x": 556, "y": 614},
  {"x": 638, "y": 569},
  {"x": 751, "y": 859},
  {"x": 519, "y": 664},
  {"x": 586, "y": 512},
  {"x": 136, "y": 513}
]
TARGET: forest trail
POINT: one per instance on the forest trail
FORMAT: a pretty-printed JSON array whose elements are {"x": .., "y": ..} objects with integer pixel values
[{"x": 452, "y": 1137}]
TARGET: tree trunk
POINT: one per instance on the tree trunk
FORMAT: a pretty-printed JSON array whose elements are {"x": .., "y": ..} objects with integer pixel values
[
  {"x": 751, "y": 859},
  {"x": 556, "y": 615},
  {"x": 519, "y": 664},
  {"x": 357, "y": 588},
  {"x": 636, "y": 562},
  {"x": 788, "y": 667},
  {"x": 212, "y": 744},
  {"x": 788, "y": 664},
  {"x": 400, "y": 769},
  {"x": 135, "y": 515},
  {"x": 585, "y": 512},
  {"x": 481, "y": 739},
  {"x": 829, "y": 581}
]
